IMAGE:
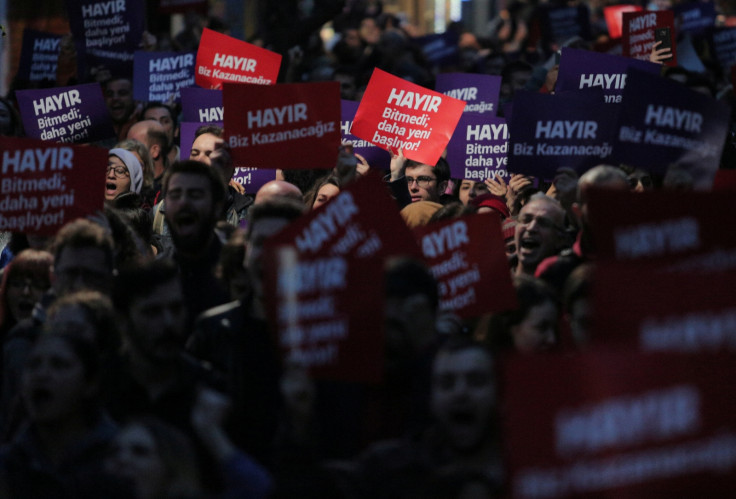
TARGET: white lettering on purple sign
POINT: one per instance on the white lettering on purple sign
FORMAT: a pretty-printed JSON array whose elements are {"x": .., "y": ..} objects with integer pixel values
[
  {"x": 565, "y": 129},
  {"x": 672, "y": 117}
]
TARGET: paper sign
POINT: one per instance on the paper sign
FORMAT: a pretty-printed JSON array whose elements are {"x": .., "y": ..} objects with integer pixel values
[
  {"x": 696, "y": 17},
  {"x": 479, "y": 148},
  {"x": 661, "y": 122},
  {"x": 160, "y": 76},
  {"x": 723, "y": 44},
  {"x": 473, "y": 278},
  {"x": 290, "y": 126},
  {"x": 620, "y": 424},
  {"x": 66, "y": 114},
  {"x": 108, "y": 32},
  {"x": 39, "y": 56},
  {"x": 658, "y": 227},
  {"x": 362, "y": 221},
  {"x": 551, "y": 131},
  {"x": 440, "y": 49},
  {"x": 637, "y": 306},
  {"x": 614, "y": 18},
  {"x": 479, "y": 91},
  {"x": 223, "y": 59},
  {"x": 45, "y": 185},
  {"x": 583, "y": 69},
  {"x": 560, "y": 24},
  {"x": 374, "y": 155},
  {"x": 396, "y": 114},
  {"x": 201, "y": 105},
  {"x": 638, "y": 33},
  {"x": 320, "y": 325},
  {"x": 250, "y": 178}
]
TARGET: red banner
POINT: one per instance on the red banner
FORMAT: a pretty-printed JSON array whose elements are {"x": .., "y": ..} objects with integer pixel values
[
  {"x": 222, "y": 58},
  {"x": 614, "y": 18},
  {"x": 396, "y": 114},
  {"x": 638, "y": 33},
  {"x": 289, "y": 126},
  {"x": 44, "y": 185},
  {"x": 620, "y": 424},
  {"x": 320, "y": 323},
  {"x": 468, "y": 259}
]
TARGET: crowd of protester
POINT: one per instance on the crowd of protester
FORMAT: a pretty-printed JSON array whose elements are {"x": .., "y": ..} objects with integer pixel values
[{"x": 137, "y": 356}]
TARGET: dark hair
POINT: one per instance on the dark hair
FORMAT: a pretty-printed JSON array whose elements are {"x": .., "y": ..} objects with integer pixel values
[
  {"x": 441, "y": 169},
  {"x": 406, "y": 277},
  {"x": 311, "y": 195},
  {"x": 16, "y": 125},
  {"x": 217, "y": 183},
  {"x": 140, "y": 280},
  {"x": 454, "y": 209},
  {"x": 215, "y": 130},
  {"x": 158, "y": 104},
  {"x": 82, "y": 233},
  {"x": 304, "y": 179},
  {"x": 286, "y": 208},
  {"x": 31, "y": 264}
]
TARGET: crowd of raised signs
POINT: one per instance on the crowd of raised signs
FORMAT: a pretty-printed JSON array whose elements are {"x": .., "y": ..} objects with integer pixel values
[{"x": 341, "y": 259}]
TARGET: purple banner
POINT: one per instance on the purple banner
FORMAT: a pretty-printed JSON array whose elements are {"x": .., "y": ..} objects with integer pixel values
[
  {"x": 662, "y": 122},
  {"x": 251, "y": 178},
  {"x": 559, "y": 24},
  {"x": 723, "y": 44},
  {"x": 108, "y": 32},
  {"x": 201, "y": 105},
  {"x": 479, "y": 91},
  {"x": 583, "y": 69},
  {"x": 160, "y": 76},
  {"x": 440, "y": 49},
  {"x": 39, "y": 56},
  {"x": 694, "y": 18},
  {"x": 551, "y": 131},
  {"x": 374, "y": 155},
  {"x": 479, "y": 148},
  {"x": 66, "y": 114}
]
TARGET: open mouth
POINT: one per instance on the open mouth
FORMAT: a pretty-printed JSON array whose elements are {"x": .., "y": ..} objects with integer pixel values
[
  {"x": 463, "y": 418},
  {"x": 110, "y": 188},
  {"x": 41, "y": 396},
  {"x": 25, "y": 307},
  {"x": 529, "y": 244}
]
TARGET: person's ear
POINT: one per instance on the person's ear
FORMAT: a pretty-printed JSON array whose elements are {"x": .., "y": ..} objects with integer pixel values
[
  {"x": 442, "y": 187},
  {"x": 155, "y": 152}
]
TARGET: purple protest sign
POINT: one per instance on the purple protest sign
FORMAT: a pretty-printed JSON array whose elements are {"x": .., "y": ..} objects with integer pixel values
[
  {"x": 696, "y": 17},
  {"x": 479, "y": 91},
  {"x": 559, "y": 24},
  {"x": 39, "y": 56},
  {"x": 108, "y": 32},
  {"x": 251, "y": 178},
  {"x": 723, "y": 45},
  {"x": 66, "y": 114},
  {"x": 201, "y": 105},
  {"x": 552, "y": 131},
  {"x": 478, "y": 149},
  {"x": 160, "y": 76},
  {"x": 374, "y": 155},
  {"x": 662, "y": 122},
  {"x": 582, "y": 69}
]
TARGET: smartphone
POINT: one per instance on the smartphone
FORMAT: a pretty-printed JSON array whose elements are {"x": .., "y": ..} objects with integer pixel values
[{"x": 663, "y": 35}]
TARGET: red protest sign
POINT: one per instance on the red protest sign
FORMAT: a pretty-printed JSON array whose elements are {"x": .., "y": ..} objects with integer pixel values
[
  {"x": 614, "y": 18},
  {"x": 397, "y": 114},
  {"x": 320, "y": 325},
  {"x": 362, "y": 221},
  {"x": 661, "y": 226},
  {"x": 222, "y": 58},
  {"x": 620, "y": 424},
  {"x": 288, "y": 126},
  {"x": 45, "y": 185},
  {"x": 467, "y": 257},
  {"x": 639, "y": 33},
  {"x": 658, "y": 310}
]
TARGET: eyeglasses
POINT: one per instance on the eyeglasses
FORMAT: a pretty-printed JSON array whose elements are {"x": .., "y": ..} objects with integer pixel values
[
  {"x": 542, "y": 222},
  {"x": 120, "y": 171},
  {"x": 646, "y": 181},
  {"x": 422, "y": 181}
]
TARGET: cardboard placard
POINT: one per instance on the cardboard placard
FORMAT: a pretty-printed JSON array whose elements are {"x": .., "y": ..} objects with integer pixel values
[
  {"x": 696, "y": 312},
  {"x": 583, "y": 69},
  {"x": 551, "y": 131},
  {"x": 320, "y": 325},
  {"x": 224, "y": 59},
  {"x": 39, "y": 56},
  {"x": 661, "y": 122},
  {"x": 614, "y": 18},
  {"x": 467, "y": 258},
  {"x": 620, "y": 424},
  {"x": 376, "y": 157},
  {"x": 658, "y": 227},
  {"x": 290, "y": 126},
  {"x": 160, "y": 76},
  {"x": 638, "y": 33},
  {"x": 201, "y": 105},
  {"x": 696, "y": 17},
  {"x": 480, "y": 92},
  {"x": 479, "y": 148},
  {"x": 45, "y": 185},
  {"x": 397, "y": 114},
  {"x": 107, "y": 32},
  {"x": 362, "y": 221},
  {"x": 66, "y": 114}
]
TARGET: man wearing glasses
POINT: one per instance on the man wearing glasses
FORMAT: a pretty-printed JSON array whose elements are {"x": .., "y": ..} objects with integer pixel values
[
  {"x": 423, "y": 182},
  {"x": 540, "y": 232}
]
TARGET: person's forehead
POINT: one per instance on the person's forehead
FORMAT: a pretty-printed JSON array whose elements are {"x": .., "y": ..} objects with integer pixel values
[
  {"x": 80, "y": 257},
  {"x": 119, "y": 84},
  {"x": 461, "y": 361},
  {"x": 157, "y": 113},
  {"x": 541, "y": 207},
  {"x": 115, "y": 160},
  {"x": 188, "y": 181},
  {"x": 420, "y": 170},
  {"x": 205, "y": 140}
]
